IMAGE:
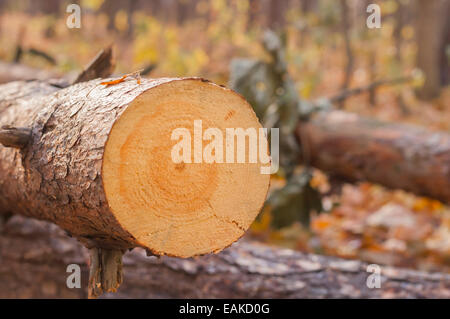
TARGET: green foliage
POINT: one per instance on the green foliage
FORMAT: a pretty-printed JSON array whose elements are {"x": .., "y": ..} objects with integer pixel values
[
  {"x": 273, "y": 95},
  {"x": 295, "y": 201},
  {"x": 271, "y": 92}
]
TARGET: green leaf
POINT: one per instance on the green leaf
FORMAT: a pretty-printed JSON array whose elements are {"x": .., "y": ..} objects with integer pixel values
[{"x": 294, "y": 202}]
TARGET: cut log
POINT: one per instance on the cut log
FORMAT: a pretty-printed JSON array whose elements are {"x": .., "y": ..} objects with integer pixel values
[
  {"x": 98, "y": 164},
  {"x": 397, "y": 156},
  {"x": 34, "y": 256}
]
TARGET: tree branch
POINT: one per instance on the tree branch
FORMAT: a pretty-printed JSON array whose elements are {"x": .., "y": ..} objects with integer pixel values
[
  {"x": 105, "y": 272},
  {"x": 102, "y": 66},
  {"x": 17, "y": 137}
]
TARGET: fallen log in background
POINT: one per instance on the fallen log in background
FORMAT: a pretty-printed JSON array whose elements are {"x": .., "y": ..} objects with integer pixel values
[
  {"x": 395, "y": 155},
  {"x": 101, "y": 66},
  {"x": 34, "y": 256},
  {"x": 98, "y": 163},
  {"x": 19, "y": 72}
]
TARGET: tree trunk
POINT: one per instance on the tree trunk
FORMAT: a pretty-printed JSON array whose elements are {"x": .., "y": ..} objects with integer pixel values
[
  {"x": 394, "y": 155},
  {"x": 34, "y": 256},
  {"x": 101, "y": 66},
  {"x": 432, "y": 18},
  {"x": 348, "y": 48},
  {"x": 276, "y": 10},
  {"x": 98, "y": 163},
  {"x": 18, "y": 72}
]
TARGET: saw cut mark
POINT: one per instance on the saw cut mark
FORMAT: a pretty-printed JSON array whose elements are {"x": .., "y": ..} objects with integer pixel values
[{"x": 207, "y": 205}]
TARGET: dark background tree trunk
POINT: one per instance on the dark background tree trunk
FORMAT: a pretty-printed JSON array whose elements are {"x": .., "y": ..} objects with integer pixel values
[{"x": 432, "y": 16}]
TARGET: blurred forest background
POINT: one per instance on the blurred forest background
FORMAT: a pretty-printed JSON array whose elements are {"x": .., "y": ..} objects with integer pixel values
[{"x": 325, "y": 50}]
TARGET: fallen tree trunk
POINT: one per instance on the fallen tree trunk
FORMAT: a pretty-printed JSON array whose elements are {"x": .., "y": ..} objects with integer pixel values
[
  {"x": 98, "y": 163},
  {"x": 19, "y": 72},
  {"x": 394, "y": 155},
  {"x": 34, "y": 256},
  {"x": 101, "y": 66}
]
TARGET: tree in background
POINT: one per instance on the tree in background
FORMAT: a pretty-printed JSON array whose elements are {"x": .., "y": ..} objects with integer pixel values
[{"x": 432, "y": 40}]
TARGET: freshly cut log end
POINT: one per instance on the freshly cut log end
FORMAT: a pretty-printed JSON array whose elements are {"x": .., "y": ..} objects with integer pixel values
[
  {"x": 99, "y": 164},
  {"x": 181, "y": 208}
]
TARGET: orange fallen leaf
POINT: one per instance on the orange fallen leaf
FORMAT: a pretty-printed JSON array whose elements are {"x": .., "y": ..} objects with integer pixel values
[
  {"x": 136, "y": 74},
  {"x": 113, "y": 82},
  {"x": 321, "y": 223},
  {"x": 426, "y": 203}
]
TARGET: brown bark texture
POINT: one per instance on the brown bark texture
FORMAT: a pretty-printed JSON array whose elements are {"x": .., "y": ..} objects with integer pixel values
[
  {"x": 395, "y": 155},
  {"x": 57, "y": 176},
  {"x": 34, "y": 256}
]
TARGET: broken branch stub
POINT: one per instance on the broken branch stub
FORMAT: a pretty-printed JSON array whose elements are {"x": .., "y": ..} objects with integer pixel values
[{"x": 16, "y": 137}]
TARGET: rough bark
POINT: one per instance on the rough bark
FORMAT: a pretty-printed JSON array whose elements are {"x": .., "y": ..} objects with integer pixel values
[
  {"x": 395, "y": 155},
  {"x": 57, "y": 176},
  {"x": 34, "y": 256}
]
